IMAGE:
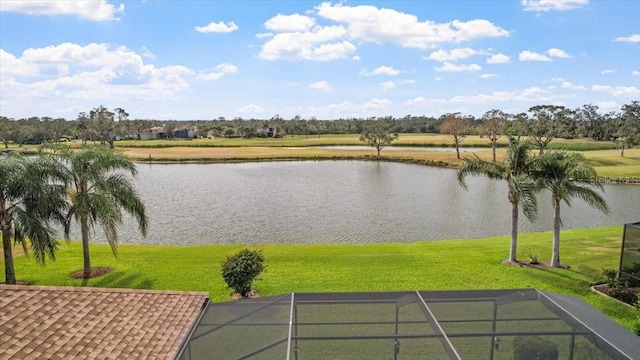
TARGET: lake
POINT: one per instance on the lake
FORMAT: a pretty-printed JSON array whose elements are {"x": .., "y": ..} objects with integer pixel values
[{"x": 338, "y": 202}]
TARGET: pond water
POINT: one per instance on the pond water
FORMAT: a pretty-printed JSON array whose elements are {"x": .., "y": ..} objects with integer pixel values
[{"x": 338, "y": 202}]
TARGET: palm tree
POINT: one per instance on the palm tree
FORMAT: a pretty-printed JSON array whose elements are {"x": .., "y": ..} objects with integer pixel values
[
  {"x": 513, "y": 169},
  {"x": 566, "y": 176},
  {"x": 31, "y": 196},
  {"x": 99, "y": 191}
]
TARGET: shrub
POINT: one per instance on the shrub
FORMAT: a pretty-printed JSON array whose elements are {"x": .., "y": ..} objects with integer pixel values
[
  {"x": 240, "y": 270},
  {"x": 610, "y": 277},
  {"x": 534, "y": 348},
  {"x": 636, "y": 326},
  {"x": 624, "y": 294}
]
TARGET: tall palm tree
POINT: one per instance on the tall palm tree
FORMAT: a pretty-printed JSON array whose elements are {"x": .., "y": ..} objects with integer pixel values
[
  {"x": 513, "y": 169},
  {"x": 566, "y": 176},
  {"x": 99, "y": 191},
  {"x": 32, "y": 195}
]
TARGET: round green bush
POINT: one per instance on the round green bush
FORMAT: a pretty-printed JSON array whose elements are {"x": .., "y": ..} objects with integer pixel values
[{"x": 240, "y": 270}]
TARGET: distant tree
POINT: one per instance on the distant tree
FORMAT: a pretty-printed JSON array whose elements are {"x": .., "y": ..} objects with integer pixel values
[
  {"x": 99, "y": 191},
  {"x": 106, "y": 127},
  {"x": 247, "y": 131},
  {"x": 457, "y": 127},
  {"x": 627, "y": 127},
  {"x": 544, "y": 125},
  {"x": 493, "y": 126},
  {"x": 514, "y": 170},
  {"x": 6, "y": 127},
  {"x": 316, "y": 125},
  {"x": 54, "y": 129},
  {"x": 30, "y": 198},
  {"x": 169, "y": 129},
  {"x": 377, "y": 136},
  {"x": 517, "y": 127},
  {"x": 217, "y": 130},
  {"x": 589, "y": 120},
  {"x": 86, "y": 127},
  {"x": 566, "y": 176}
]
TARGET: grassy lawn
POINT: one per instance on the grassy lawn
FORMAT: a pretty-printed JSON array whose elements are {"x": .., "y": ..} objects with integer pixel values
[
  {"x": 434, "y": 265},
  {"x": 606, "y": 161},
  {"x": 351, "y": 139}
]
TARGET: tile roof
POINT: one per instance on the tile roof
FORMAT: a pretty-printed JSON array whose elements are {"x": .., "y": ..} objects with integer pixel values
[{"x": 38, "y": 322}]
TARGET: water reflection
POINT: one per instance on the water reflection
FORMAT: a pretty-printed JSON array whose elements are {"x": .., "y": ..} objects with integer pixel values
[{"x": 338, "y": 202}]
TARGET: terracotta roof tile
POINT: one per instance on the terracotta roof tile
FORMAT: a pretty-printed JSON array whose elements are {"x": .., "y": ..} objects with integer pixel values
[{"x": 94, "y": 323}]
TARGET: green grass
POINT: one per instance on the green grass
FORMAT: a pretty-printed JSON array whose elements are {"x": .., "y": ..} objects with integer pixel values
[
  {"x": 428, "y": 140},
  {"x": 434, "y": 265}
]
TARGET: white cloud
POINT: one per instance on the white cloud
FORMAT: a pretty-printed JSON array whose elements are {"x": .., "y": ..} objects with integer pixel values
[
  {"x": 381, "y": 70},
  {"x": 568, "y": 85},
  {"x": 629, "y": 91},
  {"x": 220, "y": 71},
  {"x": 320, "y": 44},
  {"x": 251, "y": 109},
  {"x": 534, "y": 93},
  {"x": 608, "y": 71},
  {"x": 388, "y": 85},
  {"x": 499, "y": 96},
  {"x": 449, "y": 67},
  {"x": 499, "y": 59},
  {"x": 219, "y": 27},
  {"x": 451, "y": 55},
  {"x": 94, "y": 71},
  {"x": 380, "y": 25},
  {"x": 421, "y": 100},
  {"x": 377, "y": 104},
  {"x": 94, "y": 10},
  {"x": 547, "y": 5},
  {"x": 147, "y": 53},
  {"x": 631, "y": 38},
  {"x": 264, "y": 35},
  {"x": 554, "y": 52},
  {"x": 348, "y": 109},
  {"x": 355, "y": 58},
  {"x": 322, "y": 86},
  {"x": 558, "y": 79},
  {"x": 487, "y": 76},
  {"x": 608, "y": 105},
  {"x": 298, "y": 37},
  {"x": 635, "y": 73},
  {"x": 386, "y": 70},
  {"x": 532, "y": 56},
  {"x": 294, "y": 22}
]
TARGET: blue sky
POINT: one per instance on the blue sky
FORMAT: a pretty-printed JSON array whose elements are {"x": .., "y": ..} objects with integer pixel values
[{"x": 255, "y": 59}]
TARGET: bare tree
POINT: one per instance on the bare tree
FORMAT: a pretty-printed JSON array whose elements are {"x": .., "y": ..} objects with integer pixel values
[
  {"x": 493, "y": 127},
  {"x": 457, "y": 127}
]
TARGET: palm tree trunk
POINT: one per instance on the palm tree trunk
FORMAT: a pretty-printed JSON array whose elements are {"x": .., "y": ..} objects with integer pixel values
[
  {"x": 514, "y": 232},
  {"x": 9, "y": 271},
  {"x": 86, "y": 273},
  {"x": 555, "y": 256}
]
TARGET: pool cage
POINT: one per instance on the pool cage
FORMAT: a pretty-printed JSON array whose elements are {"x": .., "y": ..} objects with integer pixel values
[
  {"x": 489, "y": 324},
  {"x": 630, "y": 257}
]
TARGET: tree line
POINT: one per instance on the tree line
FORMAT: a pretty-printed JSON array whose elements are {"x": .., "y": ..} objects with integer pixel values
[{"x": 542, "y": 123}]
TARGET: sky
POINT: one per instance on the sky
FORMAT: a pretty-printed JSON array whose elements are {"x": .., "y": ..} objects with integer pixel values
[{"x": 190, "y": 60}]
